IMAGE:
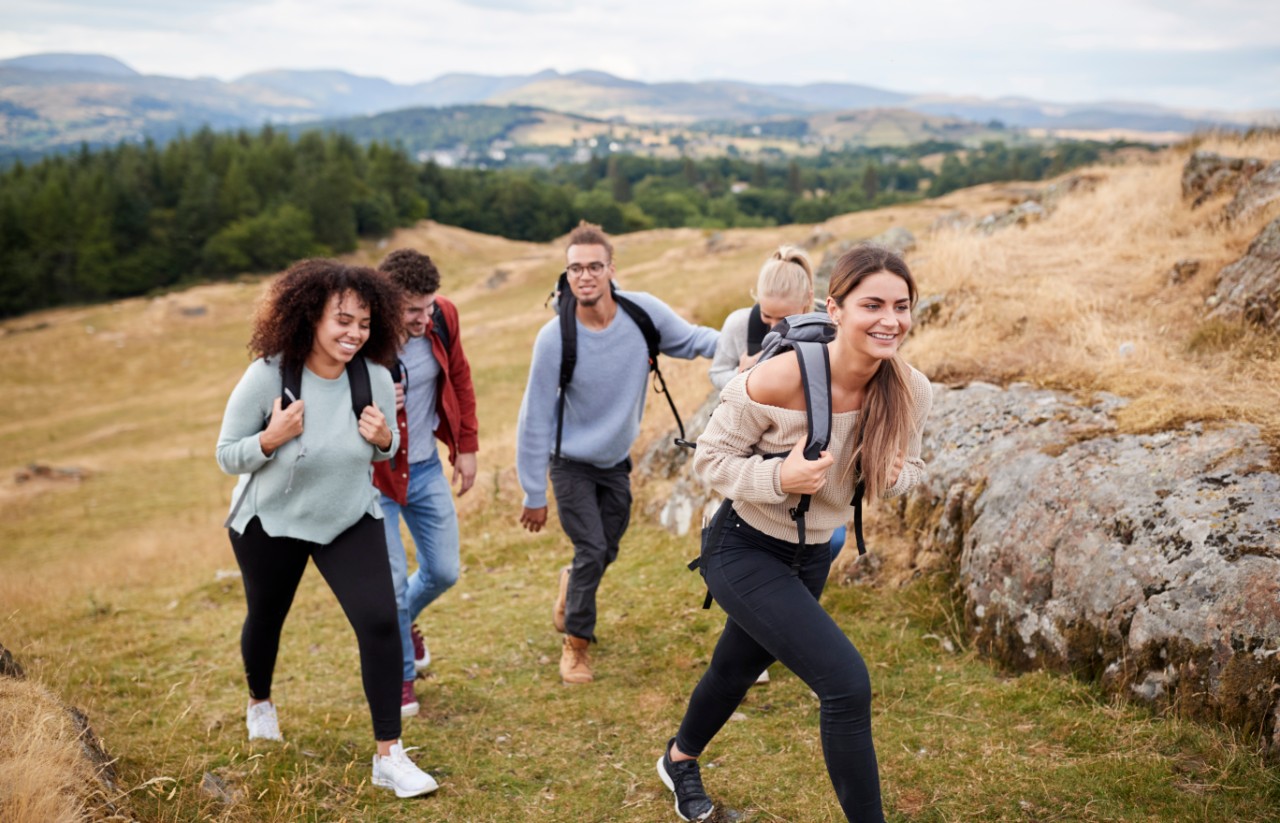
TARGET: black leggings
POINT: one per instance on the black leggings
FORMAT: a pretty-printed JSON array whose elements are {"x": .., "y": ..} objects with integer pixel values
[
  {"x": 774, "y": 615},
  {"x": 356, "y": 567}
]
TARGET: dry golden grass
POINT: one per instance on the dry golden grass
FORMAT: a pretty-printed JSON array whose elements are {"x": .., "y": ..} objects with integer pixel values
[
  {"x": 44, "y": 776},
  {"x": 1082, "y": 301}
]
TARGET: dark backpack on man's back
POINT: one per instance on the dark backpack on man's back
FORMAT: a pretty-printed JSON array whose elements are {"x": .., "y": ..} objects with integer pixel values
[{"x": 566, "y": 306}]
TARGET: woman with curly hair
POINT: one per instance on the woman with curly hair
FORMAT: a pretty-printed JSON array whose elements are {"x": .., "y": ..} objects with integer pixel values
[
  {"x": 767, "y": 581},
  {"x": 306, "y": 490}
]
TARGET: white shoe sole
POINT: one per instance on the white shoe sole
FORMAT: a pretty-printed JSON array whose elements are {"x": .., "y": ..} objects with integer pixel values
[
  {"x": 671, "y": 787},
  {"x": 383, "y": 783},
  {"x": 410, "y": 710},
  {"x": 421, "y": 665}
]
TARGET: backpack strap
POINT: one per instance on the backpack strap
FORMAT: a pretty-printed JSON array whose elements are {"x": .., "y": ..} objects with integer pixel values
[
  {"x": 361, "y": 389},
  {"x": 357, "y": 375},
  {"x": 653, "y": 340},
  {"x": 816, "y": 381},
  {"x": 710, "y": 542},
  {"x": 290, "y": 384},
  {"x": 440, "y": 328},
  {"x": 858, "y": 491},
  {"x": 756, "y": 330},
  {"x": 567, "y": 307}
]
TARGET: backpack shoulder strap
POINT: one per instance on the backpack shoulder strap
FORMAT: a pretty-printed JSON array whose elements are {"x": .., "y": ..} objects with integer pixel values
[
  {"x": 756, "y": 330},
  {"x": 653, "y": 340},
  {"x": 361, "y": 387},
  {"x": 567, "y": 307},
  {"x": 290, "y": 383},
  {"x": 641, "y": 317},
  {"x": 440, "y": 328},
  {"x": 815, "y": 378}
]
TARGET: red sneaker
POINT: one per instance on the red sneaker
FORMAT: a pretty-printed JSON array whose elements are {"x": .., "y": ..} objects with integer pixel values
[
  {"x": 408, "y": 700},
  {"x": 421, "y": 654}
]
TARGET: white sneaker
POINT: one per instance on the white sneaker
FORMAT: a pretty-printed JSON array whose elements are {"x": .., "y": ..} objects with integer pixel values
[
  {"x": 396, "y": 771},
  {"x": 262, "y": 722},
  {"x": 762, "y": 679}
]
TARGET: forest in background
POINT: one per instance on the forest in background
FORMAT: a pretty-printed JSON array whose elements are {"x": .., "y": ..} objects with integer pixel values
[{"x": 136, "y": 218}]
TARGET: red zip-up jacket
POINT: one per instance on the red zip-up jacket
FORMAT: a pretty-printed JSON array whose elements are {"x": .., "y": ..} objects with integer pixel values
[{"x": 455, "y": 408}]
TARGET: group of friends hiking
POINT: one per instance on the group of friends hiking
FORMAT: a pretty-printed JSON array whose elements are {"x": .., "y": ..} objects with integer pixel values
[{"x": 359, "y": 372}]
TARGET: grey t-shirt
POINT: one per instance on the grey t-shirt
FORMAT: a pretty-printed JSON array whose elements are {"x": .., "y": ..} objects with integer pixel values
[{"x": 422, "y": 372}]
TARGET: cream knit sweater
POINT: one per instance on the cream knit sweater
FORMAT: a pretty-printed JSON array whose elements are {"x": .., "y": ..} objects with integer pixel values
[{"x": 731, "y": 459}]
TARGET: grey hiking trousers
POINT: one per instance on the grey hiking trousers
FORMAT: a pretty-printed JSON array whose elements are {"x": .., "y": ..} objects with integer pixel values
[{"x": 594, "y": 506}]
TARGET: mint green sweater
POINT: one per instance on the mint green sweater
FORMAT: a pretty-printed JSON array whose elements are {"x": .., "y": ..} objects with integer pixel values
[{"x": 317, "y": 485}]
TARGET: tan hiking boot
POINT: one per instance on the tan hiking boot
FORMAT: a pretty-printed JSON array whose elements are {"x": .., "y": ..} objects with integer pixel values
[
  {"x": 557, "y": 613},
  {"x": 575, "y": 661}
]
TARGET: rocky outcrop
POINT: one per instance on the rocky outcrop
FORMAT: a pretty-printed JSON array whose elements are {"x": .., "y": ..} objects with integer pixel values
[
  {"x": 1148, "y": 562},
  {"x": 1207, "y": 174},
  {"x": 1259, "y": 192},
  {"x": 1249, "y": 289}
]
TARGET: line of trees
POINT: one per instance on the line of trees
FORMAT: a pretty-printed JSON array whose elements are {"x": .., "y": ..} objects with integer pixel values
[{"x": 131, "y": 219}]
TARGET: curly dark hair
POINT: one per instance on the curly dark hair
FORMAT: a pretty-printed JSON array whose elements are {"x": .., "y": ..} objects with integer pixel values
[
  {"x": 285, "y": 322},
  {"x": 412, "y": 270}
]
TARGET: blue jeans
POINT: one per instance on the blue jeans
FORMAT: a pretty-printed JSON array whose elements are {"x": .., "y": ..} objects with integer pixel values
[
  {"x": 433, "y": 524},
  {"x": 837, "y": 542}
]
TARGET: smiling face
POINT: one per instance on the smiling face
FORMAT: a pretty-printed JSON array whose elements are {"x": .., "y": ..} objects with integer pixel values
[
  {"x": 343, "y": 328},
  {"x": 417, "y": 313},
  {"x": 590, "y": 269},
  {"x": 874, "y": 316}
]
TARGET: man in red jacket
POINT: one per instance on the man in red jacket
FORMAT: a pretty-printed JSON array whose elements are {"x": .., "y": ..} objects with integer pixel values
[{"x": 434, "y": 401}]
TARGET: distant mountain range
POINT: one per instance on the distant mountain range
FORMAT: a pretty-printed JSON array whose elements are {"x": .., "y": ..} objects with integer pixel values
[{"x": 52, "y": 101}]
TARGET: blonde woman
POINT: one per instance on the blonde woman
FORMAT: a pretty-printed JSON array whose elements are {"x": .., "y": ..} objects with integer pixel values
[
  {"x": 784, "y": 287},
  {"x": 766, "y": 582}
]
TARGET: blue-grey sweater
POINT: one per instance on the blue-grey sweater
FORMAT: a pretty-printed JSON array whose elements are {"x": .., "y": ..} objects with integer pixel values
[
  {"x": 318, "y": 484},
  {"x": 605, "y": 400}
]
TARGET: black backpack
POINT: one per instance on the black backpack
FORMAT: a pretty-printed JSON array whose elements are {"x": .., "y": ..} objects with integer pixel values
[
  {"x": 566, "y": 305},
  {"x": 807, "y": 335},
  {"x": 756, "y": 330}
]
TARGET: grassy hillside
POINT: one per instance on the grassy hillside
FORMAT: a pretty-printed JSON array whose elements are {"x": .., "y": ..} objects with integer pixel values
[{"x": 110, "y": 591}]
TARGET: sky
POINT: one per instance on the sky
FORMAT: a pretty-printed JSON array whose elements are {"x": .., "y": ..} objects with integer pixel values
[{"x": 1202, "y": 54}]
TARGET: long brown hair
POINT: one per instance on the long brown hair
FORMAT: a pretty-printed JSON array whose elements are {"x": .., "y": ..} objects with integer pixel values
[
  {"x": 285, "y": 323},
  {"x": 884, "y": 425}
]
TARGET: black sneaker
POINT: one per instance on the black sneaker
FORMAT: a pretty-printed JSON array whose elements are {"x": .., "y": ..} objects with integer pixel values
[{"x": 685, "y": 780}]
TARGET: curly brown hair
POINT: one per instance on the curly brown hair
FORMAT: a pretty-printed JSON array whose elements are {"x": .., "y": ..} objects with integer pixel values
[
  {"x": 412, "y": 270},
  {"x": 285, "y": 322}
]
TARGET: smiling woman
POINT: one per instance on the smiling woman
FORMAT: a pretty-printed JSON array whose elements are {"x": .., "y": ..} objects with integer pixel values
[{"x": 319, "y": 317}]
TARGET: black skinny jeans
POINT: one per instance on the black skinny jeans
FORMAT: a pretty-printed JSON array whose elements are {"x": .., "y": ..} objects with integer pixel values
[
  {"x": 774, "y": 615},
  {"x": 356, "y": 567}
]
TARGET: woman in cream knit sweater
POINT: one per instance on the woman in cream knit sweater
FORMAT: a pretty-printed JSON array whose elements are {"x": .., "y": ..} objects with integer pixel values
[{"x": 879, "y": 406}]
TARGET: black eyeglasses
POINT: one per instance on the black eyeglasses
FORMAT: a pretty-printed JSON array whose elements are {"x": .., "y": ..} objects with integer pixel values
[{"x": 577, "y": 269}]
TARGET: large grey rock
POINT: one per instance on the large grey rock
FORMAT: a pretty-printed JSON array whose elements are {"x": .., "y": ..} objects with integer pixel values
[
  {"x": 1148, "y": 562},
  {"x": 1259, "y": 192},
  {"x": 1249, "y": 289},
  {"x": 1207, "y": 174}
]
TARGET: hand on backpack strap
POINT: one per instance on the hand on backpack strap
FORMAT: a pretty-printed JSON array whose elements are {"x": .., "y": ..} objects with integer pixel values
[
  {"x": 285, "y": 424},
  {"x": 373, "y": 427},
  {"x": 801, "y": 476}
]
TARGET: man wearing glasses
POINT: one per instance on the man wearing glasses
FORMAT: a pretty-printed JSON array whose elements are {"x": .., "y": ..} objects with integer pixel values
[
  {"x": 588, "y": 452},
  {"x": 434, "y": 401}
]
